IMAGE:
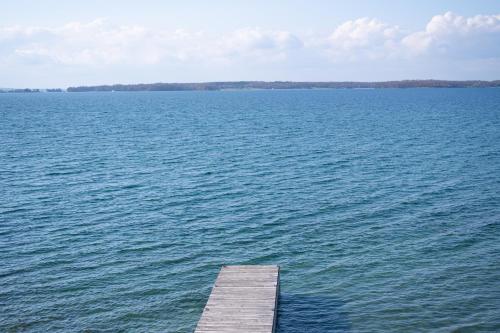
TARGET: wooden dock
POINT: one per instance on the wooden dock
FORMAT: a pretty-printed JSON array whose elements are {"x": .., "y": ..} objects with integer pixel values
[{"x": 244, "y": 299}]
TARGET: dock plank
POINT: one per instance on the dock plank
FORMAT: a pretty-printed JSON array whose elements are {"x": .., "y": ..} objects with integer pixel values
[{"x": 244, "y": 299}]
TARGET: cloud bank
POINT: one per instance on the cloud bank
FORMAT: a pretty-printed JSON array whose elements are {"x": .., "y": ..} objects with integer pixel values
[{"x": 102, "y": 44}]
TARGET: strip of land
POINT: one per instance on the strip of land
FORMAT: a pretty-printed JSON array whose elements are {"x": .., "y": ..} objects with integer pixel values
[
  {"x": 248, "y": 85},
  {"x": 287, "y": 85}
]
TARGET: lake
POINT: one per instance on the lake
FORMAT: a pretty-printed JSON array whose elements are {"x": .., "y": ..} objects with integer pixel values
[{"x": 382, "y": 207}]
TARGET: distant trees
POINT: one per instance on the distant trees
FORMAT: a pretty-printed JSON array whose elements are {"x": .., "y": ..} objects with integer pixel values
[
  {"x": 27, "y": 90},
  {"x": 286, "y": 85},
  {"x": 233, "y": 85},
  {"x": 20, "y": 90}
]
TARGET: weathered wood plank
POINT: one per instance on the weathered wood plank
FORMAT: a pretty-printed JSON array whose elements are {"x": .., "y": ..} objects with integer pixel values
[{"x": 244, "y": 299}]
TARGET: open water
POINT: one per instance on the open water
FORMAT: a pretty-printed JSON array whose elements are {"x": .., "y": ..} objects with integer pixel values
[{"x": 381, "y": 206}]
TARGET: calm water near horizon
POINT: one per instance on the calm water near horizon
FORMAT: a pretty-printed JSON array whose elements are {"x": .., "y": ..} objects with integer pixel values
[{"x": 381, "y": 206}]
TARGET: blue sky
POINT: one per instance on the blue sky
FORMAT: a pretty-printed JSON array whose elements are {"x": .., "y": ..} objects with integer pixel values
[{"x": 59, "y": 44}]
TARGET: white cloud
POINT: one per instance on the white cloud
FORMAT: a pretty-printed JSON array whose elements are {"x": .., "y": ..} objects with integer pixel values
[
  {"x": 258, "y": 39},
  {"x": 257, "y": 44},
  {"x": 452, "y": 34},
  {"x": 100, "y": 43},
  {"x": 469, "y": 44},
  {"x": 95, "y": 43},
  {"x": 362, "y": 38},
  {"x": 448, "y": 35}
]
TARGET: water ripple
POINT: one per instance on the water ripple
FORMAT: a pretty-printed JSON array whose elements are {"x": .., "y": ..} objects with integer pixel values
[{"x": 381, "y": 207}]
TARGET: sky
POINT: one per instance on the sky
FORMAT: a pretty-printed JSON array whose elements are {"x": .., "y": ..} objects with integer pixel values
[{"x": 70, "y": 43}]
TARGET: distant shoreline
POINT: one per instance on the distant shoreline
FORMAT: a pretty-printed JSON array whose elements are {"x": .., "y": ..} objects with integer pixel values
[
  {"x": 269, "y": 85},
  {"x": 240, "y": 85}
]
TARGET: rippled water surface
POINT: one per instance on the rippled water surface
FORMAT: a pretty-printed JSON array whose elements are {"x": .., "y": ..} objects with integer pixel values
[{"x": 381, "y": 206}]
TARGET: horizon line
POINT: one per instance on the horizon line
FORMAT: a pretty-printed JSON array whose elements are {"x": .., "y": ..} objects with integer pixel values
[{"x": 496, "y": 82}]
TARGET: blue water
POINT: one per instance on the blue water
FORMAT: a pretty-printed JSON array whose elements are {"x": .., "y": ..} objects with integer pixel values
[{"x": 381, "y": 206}]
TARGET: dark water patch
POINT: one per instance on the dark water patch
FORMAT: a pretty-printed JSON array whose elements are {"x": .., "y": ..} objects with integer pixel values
[{"x": 312, "y": 313}]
